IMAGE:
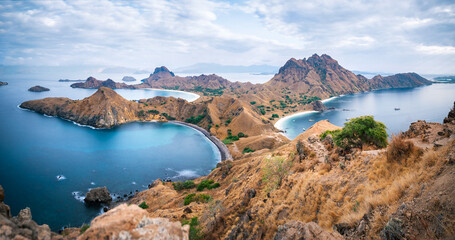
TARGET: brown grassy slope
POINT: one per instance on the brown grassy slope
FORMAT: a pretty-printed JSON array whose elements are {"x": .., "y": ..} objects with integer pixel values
[{"x": 335, "y": 191}]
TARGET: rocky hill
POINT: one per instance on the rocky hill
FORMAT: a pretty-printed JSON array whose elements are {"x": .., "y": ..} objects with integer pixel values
[
  {"x": 92, "y": 82},
  {"x": 322, "y": 76}
]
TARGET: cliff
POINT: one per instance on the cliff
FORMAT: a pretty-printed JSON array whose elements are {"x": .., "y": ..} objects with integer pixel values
[{"x": 359, "y": 195}]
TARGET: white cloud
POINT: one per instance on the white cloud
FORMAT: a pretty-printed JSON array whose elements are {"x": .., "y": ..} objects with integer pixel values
[{"x": 436, "y": 50}]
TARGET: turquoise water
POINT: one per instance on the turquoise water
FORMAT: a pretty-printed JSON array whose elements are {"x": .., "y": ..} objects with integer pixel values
[
  {"x": 431, "y": 103},
  {"x": 35, "y": 149}
]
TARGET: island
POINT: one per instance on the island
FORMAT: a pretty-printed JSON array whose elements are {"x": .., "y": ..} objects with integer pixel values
[
  {"x": 327, "y": 183},
  {"x": 38, "y": 88},
  {"x": 3, "y": 83}
]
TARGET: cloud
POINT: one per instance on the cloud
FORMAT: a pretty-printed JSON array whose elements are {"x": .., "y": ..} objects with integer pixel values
[{"x": 148, "y": 33}]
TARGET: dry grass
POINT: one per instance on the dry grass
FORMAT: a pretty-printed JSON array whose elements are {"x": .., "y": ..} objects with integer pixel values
[{"x": 400, "y": 149}]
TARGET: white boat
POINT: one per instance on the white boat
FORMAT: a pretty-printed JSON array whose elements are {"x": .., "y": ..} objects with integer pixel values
[
  {"x": 310, "y": 120},
  {"x": 303, "y": 129}
]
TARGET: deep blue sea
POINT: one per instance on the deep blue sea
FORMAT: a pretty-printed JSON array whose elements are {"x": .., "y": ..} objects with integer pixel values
[
  {"x": 35, "y": 150},
  {"x": 431, "y": 103}
]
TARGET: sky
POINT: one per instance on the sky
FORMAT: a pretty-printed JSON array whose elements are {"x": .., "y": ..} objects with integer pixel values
[{"x": 375, "y": 35}]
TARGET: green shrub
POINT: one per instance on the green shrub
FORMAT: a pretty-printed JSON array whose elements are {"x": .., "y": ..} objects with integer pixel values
[
  {"x": 195, "y": 120},
  {"x": 253, "y": 102},
  {"x": 241, "y": 135},
  {"x": 195, "y": 232},
  {"x": 168, "y": 117},
  {"x": 360, "y": 131},
  {"x": 275, "y": 115},
  {"x": 230, "y": 139},
  {"x": 84, "y": 228},
  {"x": 247, "y": 150},
  {"x": 209, "y": 184},
  {"x": 262, "y": 111},
  {"x": 154, "y": 112},
  {"x": 183, "y": 185},
  {"x": 333, "y": 133},
  {"x": 228, "y": 121},
  {"x": 141, "y": 113},
  {"x": 199, "y": 198},
  {"x": 143, "y": 205}
]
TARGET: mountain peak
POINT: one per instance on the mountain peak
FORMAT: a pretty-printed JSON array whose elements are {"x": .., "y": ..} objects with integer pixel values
[
  {"x": 161, "y": 72},
  {"x": 163, "y": 69}
]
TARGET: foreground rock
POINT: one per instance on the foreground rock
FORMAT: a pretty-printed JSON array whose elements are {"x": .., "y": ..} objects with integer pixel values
[
  {"x": 296, "y": 230},
  {"x": 3, "y": 83},
  {"x": 133, "y": 222},
  {"x": 98, "y": 195},
  {"x": 38, "y": 88},
  {"x": 22, "y": 226}
]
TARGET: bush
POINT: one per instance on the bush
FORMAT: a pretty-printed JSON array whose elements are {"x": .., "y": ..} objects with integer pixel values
[
  {"x": 84, "y": 228},
  {"x": 361, "y": 131},
  {"x": 154, "y": 112},
  {"x": 399, "y": 149},
  {"x": 183, "y": 185},
  {"x": 262, "y": 111},
  {"x": 230, "y": 139},
  {"x": 195, "y": 120},
  {"x": 275, "y": 115},
  {"x": 275, "y": 170},
  {"x": 195, "y": 232},
  {"x": 143, "y": 205},
  {"x": 253, "y": 102},
  {"x": 241, "y": 135},
  {"x": 247, "y": 150},
  {"x": 209, "y": 184},
  {"x": 141, "y": 113},
  {"x": 228, "y": 121},
  {"x": 199, "y": 198}
]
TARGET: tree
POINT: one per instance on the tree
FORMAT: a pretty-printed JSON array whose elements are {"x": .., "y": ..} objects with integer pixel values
[{"x": 360, "y": 131}]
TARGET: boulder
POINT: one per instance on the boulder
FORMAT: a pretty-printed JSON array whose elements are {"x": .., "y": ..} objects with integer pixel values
[
  {"x": 38, "y": 88},
  {"x": 98, "y": 195},
  {"x": 132, "y": 222},
  {"x": 24, "y": 215},
  {"x": 304, "y": 231}
]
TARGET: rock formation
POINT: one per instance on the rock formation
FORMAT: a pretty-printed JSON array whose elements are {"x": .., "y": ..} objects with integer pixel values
[
  {"x": 451, "y": 116},
  {"x": 38, "y": 89},
  {"x": 3, "y": 83},
  {"x": 98, "y": 195},
  {"x": 318, "y": 106},
  {"x": 128, "y": 79},
  {"x": 133, "y": 222},
  {"x": 22, "y": 226}
]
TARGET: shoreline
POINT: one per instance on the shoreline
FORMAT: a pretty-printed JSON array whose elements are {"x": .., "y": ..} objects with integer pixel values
[{"x": 224, "y": 151}]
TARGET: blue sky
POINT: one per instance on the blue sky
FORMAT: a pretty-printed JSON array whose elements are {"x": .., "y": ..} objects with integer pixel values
[{"x": 383, "y": 36}]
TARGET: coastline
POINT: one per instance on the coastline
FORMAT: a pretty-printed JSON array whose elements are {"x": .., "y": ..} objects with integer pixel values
[{"x": 224, "y": 151}]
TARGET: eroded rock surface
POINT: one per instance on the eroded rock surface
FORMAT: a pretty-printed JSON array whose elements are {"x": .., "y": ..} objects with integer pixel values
[
  {"x": 98, "y": 195},
  {"x": 296, "y": 230}
]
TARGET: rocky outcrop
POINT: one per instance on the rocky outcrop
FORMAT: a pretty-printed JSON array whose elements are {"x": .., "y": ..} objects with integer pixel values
[
  {"x": 3, "y": 83},
  {"x": 132, "y": 222},
  {"x": 92, "y": 82},
  {"x": 318, "y": 106},
  {"x": 38, "y": 88},
  {"x": 128, "y": 79},
  {"x": 296, "y": 230},
  {"x": 22, "y": 226},
  {"x": 451, "y": 116},
  {"x": 98, "y": 195}
]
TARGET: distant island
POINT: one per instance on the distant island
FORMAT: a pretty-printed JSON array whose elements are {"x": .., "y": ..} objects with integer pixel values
[
  {"x": 38, "y": 88},
  {"x": 69, "y": 80},
  {"x": 447, "y": 79},
  {"x": 128, "y": 79}
]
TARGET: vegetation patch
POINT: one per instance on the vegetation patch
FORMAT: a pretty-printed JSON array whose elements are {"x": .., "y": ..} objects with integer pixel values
[
  {"x": 195, "y": 120},
  {"x": 84, "y": 228},
  {"x": 143, "y": 205},
  {"x": 183, "y": 185},
  {"x": 195, "y": 231},
  {"x": 400, "y": 149},
  {"x": 275, "y": 170},
  {"x": 168, "y": 117},
  {"x": 154, "y": 112},
  {"x": 209, "y": 184},
  {"x": 247, "y": 150},
  {"x": 199, "y": 198}
]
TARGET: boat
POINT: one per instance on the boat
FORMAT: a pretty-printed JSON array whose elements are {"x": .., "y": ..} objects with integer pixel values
[
  {"x": 303, "y": 129},
  {"x": 310, "y": 120},
  {"x": 397, "y": 109}
]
